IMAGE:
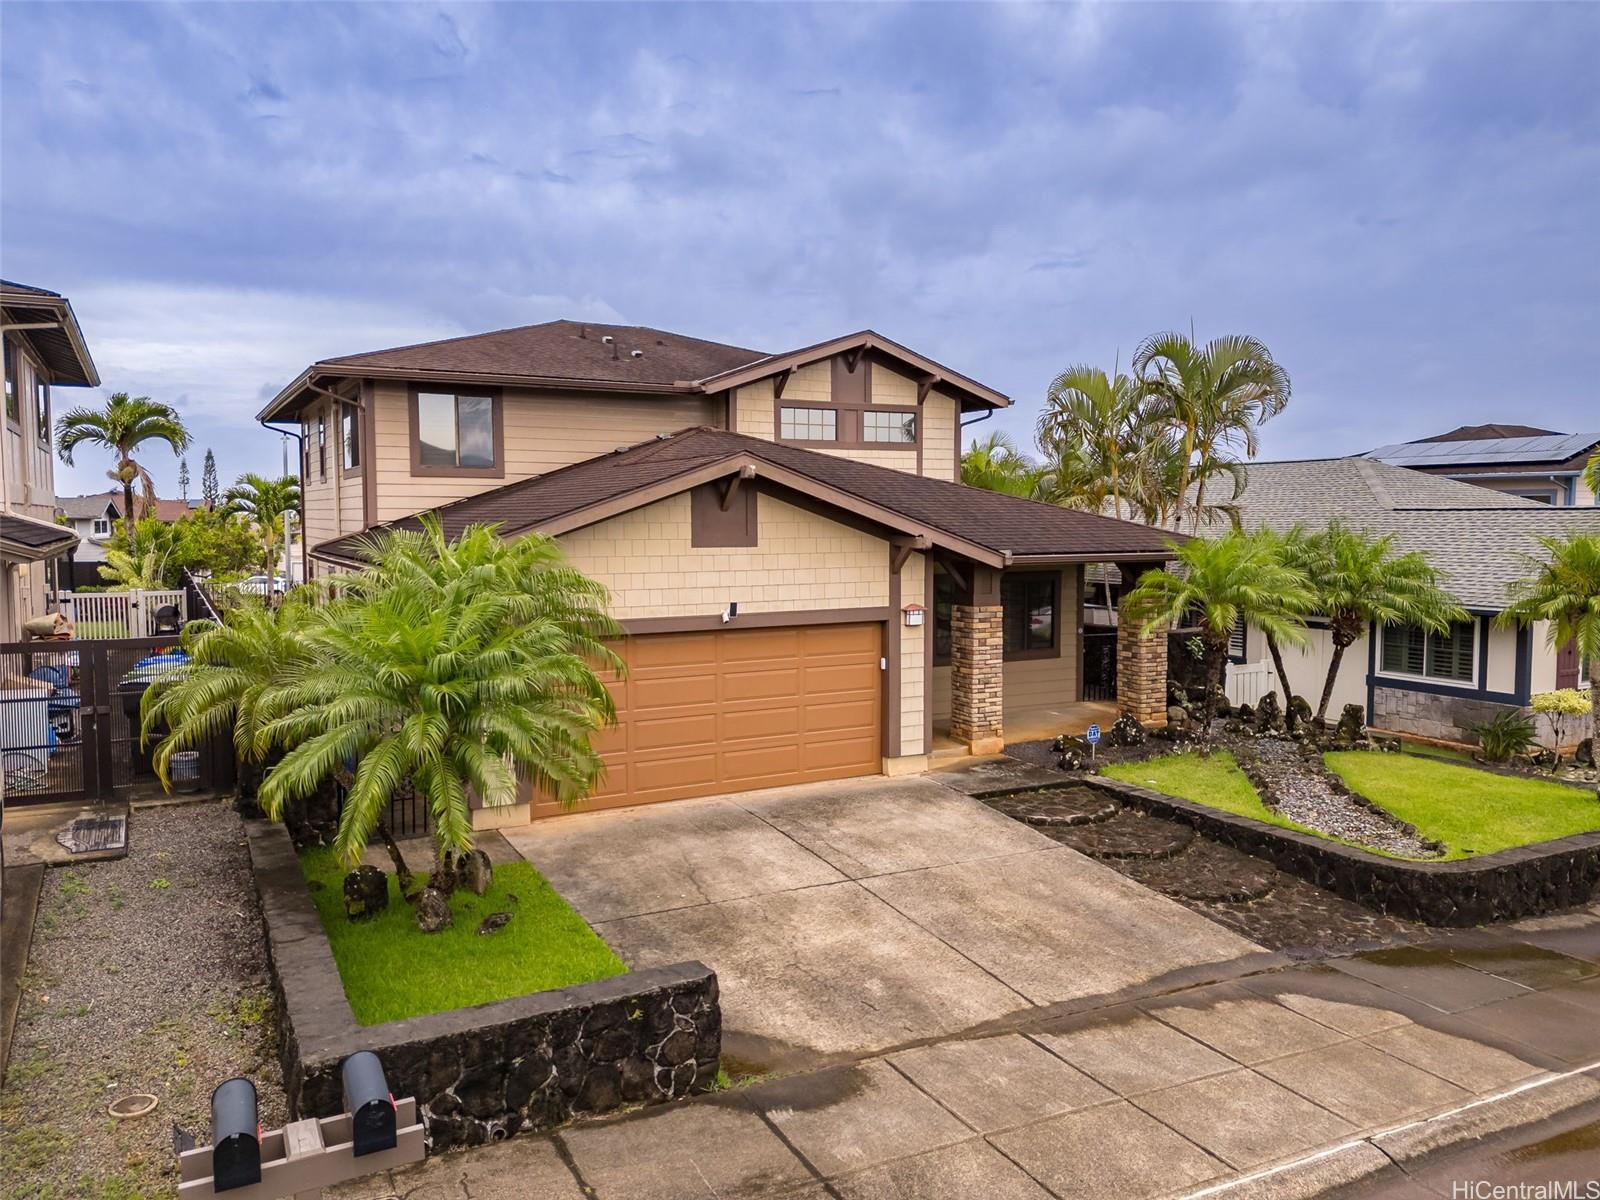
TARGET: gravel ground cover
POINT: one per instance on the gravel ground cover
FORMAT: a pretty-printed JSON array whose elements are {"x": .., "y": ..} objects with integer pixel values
[
  {"x": 147, "y": 974},
  {"x": 1303, "y": 794}
]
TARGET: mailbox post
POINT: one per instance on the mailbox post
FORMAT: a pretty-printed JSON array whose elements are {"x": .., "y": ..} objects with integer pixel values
[{"x": 375, "y": 1133}]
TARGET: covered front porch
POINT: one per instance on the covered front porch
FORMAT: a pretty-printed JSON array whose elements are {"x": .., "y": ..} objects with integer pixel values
[{"x": 1034, "y": 650}]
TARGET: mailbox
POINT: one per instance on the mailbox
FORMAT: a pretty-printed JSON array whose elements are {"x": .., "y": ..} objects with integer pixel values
[
  {"x": 369, "y": 1103},
  {"x": 235, "y": 1135}
]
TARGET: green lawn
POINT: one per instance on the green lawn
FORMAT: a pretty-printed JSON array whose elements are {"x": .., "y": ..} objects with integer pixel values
[
  {"x": 391, "y": 969},
  {"x": 1216, "y": 781},
  {"x": 1470, "y": 811}
]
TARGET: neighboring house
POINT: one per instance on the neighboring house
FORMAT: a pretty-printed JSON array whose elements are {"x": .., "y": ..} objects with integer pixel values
[
  {"x": 96, "y": 518},
  {"x": 43, "y": 349},
  {"x": 1536, "y": 464},
  {"x": 1438, "y": 686},
  {"x": 808, "y": 591}
]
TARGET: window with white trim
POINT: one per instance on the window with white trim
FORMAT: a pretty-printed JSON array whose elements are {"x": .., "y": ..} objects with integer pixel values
[
  {"x": 1449, "y": 656},
  {"x": 101, "y": 527}
]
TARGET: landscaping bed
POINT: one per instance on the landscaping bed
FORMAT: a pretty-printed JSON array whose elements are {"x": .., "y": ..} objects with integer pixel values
[
  {"x": 391, "y": 970},
  {"x": 148, "y": 974},
  {"x": 482, "y": 1072}
]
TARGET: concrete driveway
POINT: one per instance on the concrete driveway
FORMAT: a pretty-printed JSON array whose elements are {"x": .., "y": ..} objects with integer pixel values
[{"x": 847, "y": 918}]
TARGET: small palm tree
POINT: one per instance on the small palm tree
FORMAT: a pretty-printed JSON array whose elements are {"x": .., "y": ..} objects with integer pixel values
[
  {"x": 1563, "y": 588},
  {"x": 122, "y": 426},
  {"x": 1218, "y": 582},
  {"x": 133, "y": 571},
  {"x": 1359, "y": 581},
  {"x": 1591, "y": 474},
  {"x": 266, "y": 502},
  {"x": 996, "y": 465},
  {"x": 454, "y": 666},
  {"x": 1215, "y": 396}
]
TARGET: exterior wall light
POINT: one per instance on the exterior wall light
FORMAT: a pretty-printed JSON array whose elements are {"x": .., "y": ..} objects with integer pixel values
[{"x": 914, "y": 615}]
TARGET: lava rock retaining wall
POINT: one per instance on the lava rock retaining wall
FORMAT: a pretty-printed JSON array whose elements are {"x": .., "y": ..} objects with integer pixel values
[
  {"x": 482, "y": 1073},
  {"x": 1501, "y": 886}
]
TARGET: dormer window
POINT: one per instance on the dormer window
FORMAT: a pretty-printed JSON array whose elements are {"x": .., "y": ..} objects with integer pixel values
[{"x": 101, "y": 527}]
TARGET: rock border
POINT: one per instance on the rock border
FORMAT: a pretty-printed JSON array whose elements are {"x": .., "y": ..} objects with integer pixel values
[
  {"x": 1505, "y": 885},
  {"x": 482, "y": 1073}
]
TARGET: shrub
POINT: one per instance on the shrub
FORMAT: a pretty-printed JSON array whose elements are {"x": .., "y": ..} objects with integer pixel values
[
  {"x": 1560, "y": 707},
  {"x": 1510, "y": 733}
]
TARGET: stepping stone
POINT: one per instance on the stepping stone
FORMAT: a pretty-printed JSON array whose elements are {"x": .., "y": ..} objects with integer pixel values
[
  {"x": 1208, "y": 871},
  {"x": 1128, "y": 835},
  {"x": 1062, "y": 807}
]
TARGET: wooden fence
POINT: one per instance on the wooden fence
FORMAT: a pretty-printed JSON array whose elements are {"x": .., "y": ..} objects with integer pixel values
[{"x": 122, "y": 614}]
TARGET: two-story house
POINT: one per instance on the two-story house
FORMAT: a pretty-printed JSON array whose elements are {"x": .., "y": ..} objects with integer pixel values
[
  {"x": 43, "y": 349},
  {"x": 1519, "y": 460},
  {"x": 808, "y": 591}
]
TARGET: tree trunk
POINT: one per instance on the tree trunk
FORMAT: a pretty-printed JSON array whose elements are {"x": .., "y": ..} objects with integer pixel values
[
  {"x": 1283, "y": 675},
  {"x": 1216, "y": 673},
  {"x": 127, "y": 509},
  {"x": 1183, "y": 479},
  {"x": 402, "y": 873},
  {"x": 1333, "y": 674},
  {"x": 1594, "y": 716}
]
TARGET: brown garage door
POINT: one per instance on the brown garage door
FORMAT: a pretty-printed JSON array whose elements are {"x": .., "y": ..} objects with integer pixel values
[{"x": 702, "y": 713}]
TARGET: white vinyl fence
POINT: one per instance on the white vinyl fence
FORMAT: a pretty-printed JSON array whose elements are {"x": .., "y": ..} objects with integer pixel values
[
  {"x": 1248, "y": 682},
  {"x": 119, "y": 614}
]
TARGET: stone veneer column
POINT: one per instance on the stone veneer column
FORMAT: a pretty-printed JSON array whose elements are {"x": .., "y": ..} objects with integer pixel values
[
  {"x": 977, "y": 660},
  {"x": 1141, "y": 662}
]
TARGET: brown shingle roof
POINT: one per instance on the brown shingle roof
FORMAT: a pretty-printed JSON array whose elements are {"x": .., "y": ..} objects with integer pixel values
[
  {"x": 1002, "y": 525},
  {"x": 568, "y": 350},
  {"x": 57, "y": 340}
]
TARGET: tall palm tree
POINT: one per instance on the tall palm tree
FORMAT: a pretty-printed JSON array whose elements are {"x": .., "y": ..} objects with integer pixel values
[
  {"x": 1563, "y": 588},
  {"x": 995, "y": 464},
  {"x": 1215, "y": 396},
  {"x": 1591, "y": 474},
  {"x": 456, "y": 665},
  {"x": 1359, "y": 581},
  {"x": 266, "y": 502},
  {"x": 1103, "y": 416},
  {"x": 1218, "y": 582},
  {"x": 122, "y": 426}
]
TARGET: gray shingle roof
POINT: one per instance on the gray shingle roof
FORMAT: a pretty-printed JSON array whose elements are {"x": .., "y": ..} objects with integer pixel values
[{"x": 1475, "y": 536}]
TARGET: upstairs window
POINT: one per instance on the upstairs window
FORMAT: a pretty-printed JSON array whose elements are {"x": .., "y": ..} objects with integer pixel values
[
  {"x": 896, "y": 428},
  {"x": 456, "y": 431},
  {"x": 350, "y": 435},
  {"x": 808, "y": 424},
  {"x": 41, "y": 411},
  {"x": 322, "y": 443},
  {"x": 1448, "y": 656},
  {"x": 101, "y": 527},
  {"x": 13, "y": 402}
]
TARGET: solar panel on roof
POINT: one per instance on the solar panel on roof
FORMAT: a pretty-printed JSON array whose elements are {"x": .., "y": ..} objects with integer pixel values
[{"x": 1486, "y": 451}]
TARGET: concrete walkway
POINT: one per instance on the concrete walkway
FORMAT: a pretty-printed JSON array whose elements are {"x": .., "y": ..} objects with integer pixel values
[
  {"x": 851, "y": 918},
  {"x": 1278, "y": 1084}
]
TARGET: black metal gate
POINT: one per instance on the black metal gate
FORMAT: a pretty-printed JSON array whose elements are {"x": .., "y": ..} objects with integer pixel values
[
  {"x": 1099, "y": 662},
  {"x": 70, "y": 725}
]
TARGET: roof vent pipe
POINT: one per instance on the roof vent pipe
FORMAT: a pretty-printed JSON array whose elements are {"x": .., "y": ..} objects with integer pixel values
[
  {"x": 583, "y": 332},
  {"x": 608, "y": 339},
  {"x": 635, "y": 353}
]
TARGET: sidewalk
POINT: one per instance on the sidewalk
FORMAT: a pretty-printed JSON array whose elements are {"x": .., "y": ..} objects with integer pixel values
[{"x": 1163, "y": 1096}]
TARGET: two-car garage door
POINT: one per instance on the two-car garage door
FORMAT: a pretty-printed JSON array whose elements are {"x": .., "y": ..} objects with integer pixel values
[{"x": 702, "y": 713}]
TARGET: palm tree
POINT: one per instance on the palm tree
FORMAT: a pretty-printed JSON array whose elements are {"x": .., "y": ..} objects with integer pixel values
[
  {"x": 1215, "y": 396},
  {"x": 1359, "y": 581},
  {"x": 458, "y": 666},
  {"x": 266, "y": 502},
  {"x": 1291, "y": 549},
  {"x": 1218, "y": 582},
  {"x": 1103, "y": 418},
  {"x": 996, "y": 465},
  {"x": 1591, "y": 474},
  {"x": 122, "y": 426},
  {"x": 1563, "y": 588}
]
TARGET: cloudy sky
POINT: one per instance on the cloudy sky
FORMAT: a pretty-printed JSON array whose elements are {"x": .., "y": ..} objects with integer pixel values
[{"x": 1402, "y": 201}]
